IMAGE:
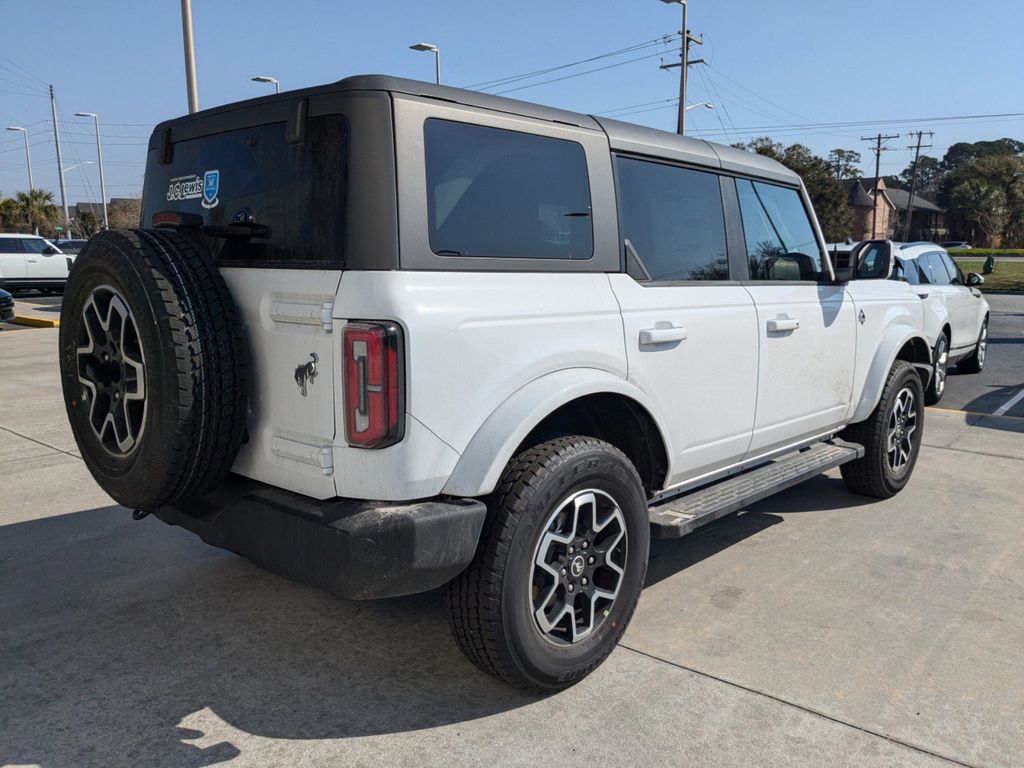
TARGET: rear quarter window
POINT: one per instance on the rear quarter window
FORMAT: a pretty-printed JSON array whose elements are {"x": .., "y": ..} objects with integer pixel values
[
  {"x": 253, "y": 175},
  {"x": 497, "y": 193}
]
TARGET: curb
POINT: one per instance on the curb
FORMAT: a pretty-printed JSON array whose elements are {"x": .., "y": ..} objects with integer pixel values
[{"x": 35, "y": 322}]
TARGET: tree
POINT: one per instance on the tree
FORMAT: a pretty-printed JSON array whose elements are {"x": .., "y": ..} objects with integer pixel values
[
  {"x": 827, "y": 195},
  {"x": 10, "y": 215},
  {"x": 844, "y": 163},
  {"x": 87, "y": 223},
  {"x": 125, "y": 213},
  {"x": 963, "y": 152},
  {"x": 987, "y": 193},
  {"x": 36, "y": 211}
]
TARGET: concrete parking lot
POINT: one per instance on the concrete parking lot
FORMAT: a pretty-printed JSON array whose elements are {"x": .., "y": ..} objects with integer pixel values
[{"x": 815, "y": 628}]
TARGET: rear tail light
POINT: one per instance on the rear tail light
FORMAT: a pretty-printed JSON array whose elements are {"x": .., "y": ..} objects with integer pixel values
[{"x": 374, "y": 384}]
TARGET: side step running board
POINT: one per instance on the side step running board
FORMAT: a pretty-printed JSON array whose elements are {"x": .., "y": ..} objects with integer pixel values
[{"x": 677, "y": 517}]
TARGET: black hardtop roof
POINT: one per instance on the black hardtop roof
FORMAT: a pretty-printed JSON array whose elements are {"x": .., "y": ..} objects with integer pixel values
[{"x": 622, "y": 136}]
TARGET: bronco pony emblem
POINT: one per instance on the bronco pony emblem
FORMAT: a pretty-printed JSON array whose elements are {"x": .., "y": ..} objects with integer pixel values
[{"x": 306, "y": 373}]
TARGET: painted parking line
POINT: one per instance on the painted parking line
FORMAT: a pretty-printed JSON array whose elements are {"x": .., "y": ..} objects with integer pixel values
[{"x": 1009, "y": 403}]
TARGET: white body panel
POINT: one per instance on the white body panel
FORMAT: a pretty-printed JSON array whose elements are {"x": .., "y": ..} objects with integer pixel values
[
  {"x": 893, "y": 314},
  {"x": 288, "y": 433},
  {"x": 806, "y": 333},
  {"x": 472, "y": 341},
  {"x": 706, "y": 383}
]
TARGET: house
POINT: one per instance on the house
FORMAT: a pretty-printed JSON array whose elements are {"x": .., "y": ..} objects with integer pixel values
[
  {"x": 928, "y": 221},
  {"x": 872, "y": 219}
]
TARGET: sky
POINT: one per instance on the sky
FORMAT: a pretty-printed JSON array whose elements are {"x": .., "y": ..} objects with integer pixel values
[{"x": 780, "y": 69}]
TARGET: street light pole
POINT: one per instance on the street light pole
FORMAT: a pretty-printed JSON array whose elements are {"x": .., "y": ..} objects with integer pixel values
[
  {"x": 190, "y": 56},
  {"x": 99, "y": 157},
  {"x": 437, "y": 57},
  {"x": 28, "y": 156},
  {"x": 268, "y": 79}
]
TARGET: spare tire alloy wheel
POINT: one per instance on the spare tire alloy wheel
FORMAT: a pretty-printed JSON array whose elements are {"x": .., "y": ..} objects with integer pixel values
[
  {"x": 579, "y": 565},
  {"x": 153, "y": 366},
  {"x": 112, "y": 370}
]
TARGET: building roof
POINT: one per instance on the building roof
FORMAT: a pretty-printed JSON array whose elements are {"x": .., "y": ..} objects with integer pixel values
[{"x": 901, "y": 199}]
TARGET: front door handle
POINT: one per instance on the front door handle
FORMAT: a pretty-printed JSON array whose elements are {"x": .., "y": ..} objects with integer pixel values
[
  {"x": 661, "y": 335},
  {"x": 783, "y": 323}
]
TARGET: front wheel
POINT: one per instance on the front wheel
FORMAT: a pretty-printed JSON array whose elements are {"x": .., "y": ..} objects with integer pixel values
[
  {"x": 891, "y": 436},
  {"x": 559, "y": 567},
  {"x": 976, "y": 361},
  {"x": 937, "y": 386}
]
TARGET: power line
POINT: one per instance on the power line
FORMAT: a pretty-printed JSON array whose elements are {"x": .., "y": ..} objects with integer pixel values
[
  {"x": 578, "y": 74},
  {"x": 663, "y": 40}
]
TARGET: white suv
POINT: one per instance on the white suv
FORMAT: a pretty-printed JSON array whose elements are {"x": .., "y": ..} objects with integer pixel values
[
  {"x": 955, "y": 312},
  {"x": 28, "y": 261},
  {"x": 382, "y": 336}
]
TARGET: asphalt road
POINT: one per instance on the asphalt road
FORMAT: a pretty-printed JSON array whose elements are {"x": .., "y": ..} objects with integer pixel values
[{"x": 816, "y": 628}]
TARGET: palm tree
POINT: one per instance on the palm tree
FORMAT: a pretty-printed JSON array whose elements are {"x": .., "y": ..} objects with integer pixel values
[
  {"x": 37, "y": 209},
  {"x": 10, "y": 215}
]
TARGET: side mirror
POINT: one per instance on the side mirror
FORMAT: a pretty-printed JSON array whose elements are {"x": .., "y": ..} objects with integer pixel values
[
  {"x": 50, "y": 250},
  {"x": 973, "y": 278},
  {"x": 843, "y": 274},
  {"x": 873, "y": 260}
]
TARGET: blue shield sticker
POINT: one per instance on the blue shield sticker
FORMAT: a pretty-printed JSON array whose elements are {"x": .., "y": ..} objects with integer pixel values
[{"x": 211, "y": 185}]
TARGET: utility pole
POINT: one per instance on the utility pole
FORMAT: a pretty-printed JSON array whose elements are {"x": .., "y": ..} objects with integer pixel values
[
  {"x": 60, "y": 163},
  {"x": 877, "y": 149},
  {"x": 190, "y": 56},
  {"x": 913, "y": 179},
  {"x": 684, "y": 64}
]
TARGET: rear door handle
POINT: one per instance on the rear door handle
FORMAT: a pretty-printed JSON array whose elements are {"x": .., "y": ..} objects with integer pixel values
[
  {"x": 783, "y": 323},
  {"x": 661, "y": 335}
]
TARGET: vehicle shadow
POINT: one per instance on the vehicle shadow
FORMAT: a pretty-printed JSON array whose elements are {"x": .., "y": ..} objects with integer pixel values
[
  {"x": 114, "y": 632},
  {"x": 120, "y": 638},
  {"x": 821, "y": 495}
]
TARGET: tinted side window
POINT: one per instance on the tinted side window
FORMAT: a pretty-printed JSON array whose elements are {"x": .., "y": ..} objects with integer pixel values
[
  {"x": 252, "y": 175},
  {"x": 505, "y": 194},
  {"x": 33, "y": 245},
  {"x": 951, "y": 268},
  {"x": 906, "y": 269},
  {"x": 10, "y": 245},
  {"x": 781, "y": 244},
  {"x": 933, "y": 268},
  {"x": 673, "y": 217}
]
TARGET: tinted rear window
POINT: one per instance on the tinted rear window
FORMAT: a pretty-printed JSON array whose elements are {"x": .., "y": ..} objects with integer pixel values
[
  {"x": 673, "y": 218},
  {"x": 498, "y": 193},
  {"x": 253, "y": 175}
]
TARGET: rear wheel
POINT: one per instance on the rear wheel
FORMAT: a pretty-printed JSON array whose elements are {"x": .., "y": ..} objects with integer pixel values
[
  {"x": 937, "y": 386},
  {"x": 559, "y": 568},
  {"x": 975, "y": 362},
  {"x": 891, "y": 436}
]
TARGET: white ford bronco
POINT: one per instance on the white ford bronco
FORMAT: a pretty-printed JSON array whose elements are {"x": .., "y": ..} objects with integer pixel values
[{"x": 382, "y": 336}]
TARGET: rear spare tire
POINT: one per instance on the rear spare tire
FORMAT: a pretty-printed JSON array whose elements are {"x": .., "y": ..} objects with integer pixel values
[{"x": 153, "y": 366}]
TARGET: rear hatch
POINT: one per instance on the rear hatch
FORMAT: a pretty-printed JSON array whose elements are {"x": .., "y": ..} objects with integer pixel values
[{"x": 265, "y": 184}]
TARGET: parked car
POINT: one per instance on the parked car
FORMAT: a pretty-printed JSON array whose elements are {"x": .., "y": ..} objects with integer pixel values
[
  {"x": 6, "y": 306},
  {"x": 493, "y": 345},
  {"x": 956, "y": 312},
  {"x": 955, "y": 244},
  {"x": 28, "y": 261},
  {"x": 71, "y": 246}
]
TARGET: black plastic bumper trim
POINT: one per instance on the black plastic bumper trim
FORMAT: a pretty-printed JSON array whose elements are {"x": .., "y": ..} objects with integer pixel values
[{"x": 353, "y": 548}]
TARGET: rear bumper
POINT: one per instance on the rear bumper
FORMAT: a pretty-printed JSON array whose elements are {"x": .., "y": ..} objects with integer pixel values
[{"x": 353, "y": 548}]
